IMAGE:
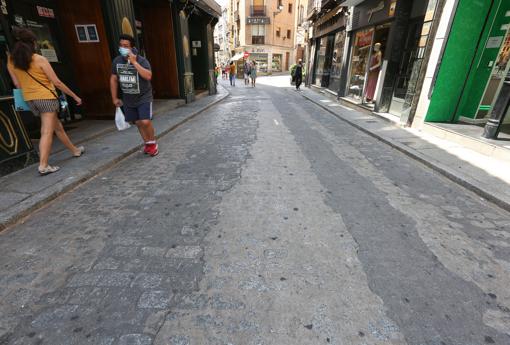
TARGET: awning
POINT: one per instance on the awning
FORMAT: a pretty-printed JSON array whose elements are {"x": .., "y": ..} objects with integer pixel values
[{"x": 236, "y": 57}]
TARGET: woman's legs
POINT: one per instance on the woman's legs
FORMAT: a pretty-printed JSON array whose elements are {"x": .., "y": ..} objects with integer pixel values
[
  {"x": 47, "y": 129},
  {"x": 62, "y": 136}
]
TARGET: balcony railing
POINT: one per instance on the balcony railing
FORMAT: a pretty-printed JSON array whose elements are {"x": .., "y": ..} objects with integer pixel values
[
  {"x": 258, "y": 11},
  {"x": 257, "y": 39}
]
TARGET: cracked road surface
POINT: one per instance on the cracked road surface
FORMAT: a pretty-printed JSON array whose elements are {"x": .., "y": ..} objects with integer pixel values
[{"x": 263, "y": 221}]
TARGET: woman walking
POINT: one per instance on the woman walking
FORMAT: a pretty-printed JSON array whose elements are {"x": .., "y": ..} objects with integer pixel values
[
  {"x": 33, "y": 74},
  {"x": 253, "y": 73}
]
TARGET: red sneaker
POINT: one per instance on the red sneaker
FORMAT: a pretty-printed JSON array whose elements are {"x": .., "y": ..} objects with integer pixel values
[
  {"x": 152, "y": 149},
  {"x": 146, "y": 149}
]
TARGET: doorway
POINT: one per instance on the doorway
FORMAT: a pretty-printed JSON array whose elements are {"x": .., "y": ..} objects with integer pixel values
[{"x": 156, "y": 33}]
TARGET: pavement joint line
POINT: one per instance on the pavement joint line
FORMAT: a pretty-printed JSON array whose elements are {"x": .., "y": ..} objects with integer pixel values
[
  {"x": 425, "y": 160},
  {"x": 14, "y": 219}
]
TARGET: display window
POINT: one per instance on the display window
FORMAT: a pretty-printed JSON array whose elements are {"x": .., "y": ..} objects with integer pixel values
[
  {"x": 261, "y": 60},
  {"x": 359, "y": 61}
]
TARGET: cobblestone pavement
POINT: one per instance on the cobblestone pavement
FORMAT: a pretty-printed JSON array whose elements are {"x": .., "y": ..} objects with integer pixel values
[{"x": 264, "y": 221}]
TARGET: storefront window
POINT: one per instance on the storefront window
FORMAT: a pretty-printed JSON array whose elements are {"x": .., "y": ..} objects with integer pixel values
[
  {"x": 45, "y": 41},
  {"x": 359, "y": 60},
  {"x": 277, "y": 63},
  {"x": 336, "y": 62},
  {"x": 261, "y": 60},
  {"x": 324, "y": 60}
]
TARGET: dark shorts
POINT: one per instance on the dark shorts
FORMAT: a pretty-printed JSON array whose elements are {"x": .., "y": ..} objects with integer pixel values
[{"x": 142, "y": 112}]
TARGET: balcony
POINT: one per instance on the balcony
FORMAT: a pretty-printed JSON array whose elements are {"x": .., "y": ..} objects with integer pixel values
[
  {"x": 258, "y": 11},
  {"x": 257, "y": 39}
]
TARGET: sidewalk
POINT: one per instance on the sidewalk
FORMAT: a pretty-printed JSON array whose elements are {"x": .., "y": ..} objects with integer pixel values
[
  {"x": 24, "y": 191},
  {"x": 486, "y": 176}
]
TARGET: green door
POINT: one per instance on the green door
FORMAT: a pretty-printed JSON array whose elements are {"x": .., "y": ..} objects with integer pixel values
[
  {"x": 468, "y": 29},
  {"x": 482, "y": 80}
]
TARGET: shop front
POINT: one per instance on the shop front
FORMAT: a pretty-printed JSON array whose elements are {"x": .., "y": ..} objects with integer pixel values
[
  {"x": 386, "y": 41},
  {"x": 474, "y": 64},
  {"x": 329, "y": 42}
]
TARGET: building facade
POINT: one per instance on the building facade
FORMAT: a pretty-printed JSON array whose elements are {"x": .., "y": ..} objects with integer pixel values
[
  {"x": 80, "y": 39},
  {"x": 371, "y": 52},
  {"x": 221, "y": 39},
  {"x": 265, "y": 30}
]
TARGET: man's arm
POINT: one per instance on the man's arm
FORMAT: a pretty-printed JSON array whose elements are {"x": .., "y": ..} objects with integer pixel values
[
  {"x": 114, "y": 91},
  {"x": 145, "y": 73}
]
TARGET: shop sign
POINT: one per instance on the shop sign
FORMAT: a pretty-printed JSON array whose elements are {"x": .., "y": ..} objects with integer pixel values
[
  {"x": 246, "y": 55},
  {"x": 257, "y": 20},
  {"x": 373, "y": 12},
  {"x": 45, "y": 12}
]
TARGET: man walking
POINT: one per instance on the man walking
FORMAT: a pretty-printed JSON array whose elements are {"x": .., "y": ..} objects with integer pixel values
[
  {"x": 232, "y": 74},
  {"x": 298, "y": 73},
  {"x": 132, "y": 74}
]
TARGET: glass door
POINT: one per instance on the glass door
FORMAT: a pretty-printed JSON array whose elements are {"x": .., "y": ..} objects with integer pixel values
[{"x": 499, "y": 71}]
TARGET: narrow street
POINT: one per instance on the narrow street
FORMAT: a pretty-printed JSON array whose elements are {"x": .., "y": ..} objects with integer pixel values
[{"x": 263, "y": 221}]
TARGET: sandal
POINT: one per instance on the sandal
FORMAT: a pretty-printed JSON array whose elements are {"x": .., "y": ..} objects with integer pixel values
[
  {"x": 48, "y": 170},
  {"x": 81, "y": 150}
]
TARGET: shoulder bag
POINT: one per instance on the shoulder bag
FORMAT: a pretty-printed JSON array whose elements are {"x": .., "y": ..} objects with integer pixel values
[{"x": 63, "y": 105}]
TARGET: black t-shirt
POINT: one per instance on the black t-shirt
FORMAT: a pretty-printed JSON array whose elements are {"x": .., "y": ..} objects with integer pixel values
[{"x": 135, "y": 90}]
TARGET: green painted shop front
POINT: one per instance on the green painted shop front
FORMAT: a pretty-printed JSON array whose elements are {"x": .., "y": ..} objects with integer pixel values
[{"x": 474, "y": 62}]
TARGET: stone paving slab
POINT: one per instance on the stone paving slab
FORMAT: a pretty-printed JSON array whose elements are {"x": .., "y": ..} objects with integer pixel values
[
  {"x": 24, "y": 191},
  {"x": 435, "y": 155}
]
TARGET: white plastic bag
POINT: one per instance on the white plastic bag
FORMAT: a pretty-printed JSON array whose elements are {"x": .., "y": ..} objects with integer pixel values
[{"x": 120, "y": 120}]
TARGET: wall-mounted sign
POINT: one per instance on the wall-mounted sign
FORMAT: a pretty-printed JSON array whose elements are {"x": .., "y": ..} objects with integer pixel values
[
  {"x": 87, "y": 33},
  {"x": 257, "y": 20},
  {"x": 196, "y": 44},
  {"x": 494, "y": 42},
  {"x": 45, "y": 12}
]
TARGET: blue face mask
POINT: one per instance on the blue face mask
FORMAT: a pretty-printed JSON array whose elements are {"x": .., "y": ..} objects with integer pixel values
[{"x": 123, "y": 51}]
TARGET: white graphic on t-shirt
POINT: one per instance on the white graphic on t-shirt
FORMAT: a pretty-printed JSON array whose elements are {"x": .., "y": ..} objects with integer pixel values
[{"x": 128, "y": 79}]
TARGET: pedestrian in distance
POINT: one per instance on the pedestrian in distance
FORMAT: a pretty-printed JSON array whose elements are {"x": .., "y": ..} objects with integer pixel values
[
  {"x": 298, "y": 74},
  {"x": 132, "y": 74},
  {"x": 253, "y": 73},
  {"x": 247, "y": 70},
  {"x": 232, "y": 74},
  {"x": 33, "y": 74}
]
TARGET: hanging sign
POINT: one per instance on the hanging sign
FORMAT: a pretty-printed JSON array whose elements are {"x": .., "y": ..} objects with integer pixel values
[{"x": 246, "y": 55}]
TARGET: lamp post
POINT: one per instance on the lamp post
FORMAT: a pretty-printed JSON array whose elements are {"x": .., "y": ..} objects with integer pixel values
[
  {"x": 279, "y": 9},
  {"x": 499, "y": 111}
]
